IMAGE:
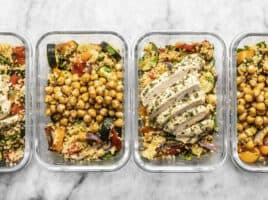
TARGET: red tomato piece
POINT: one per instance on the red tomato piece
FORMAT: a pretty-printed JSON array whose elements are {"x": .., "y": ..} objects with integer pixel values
[
  {"x": 116, "y": 140},
  {"x": 78, "y": 68},
  {"x": 16, "y": 109},
  {"x": 19, "y": 55},
  {"x": 14, "y": 79}
]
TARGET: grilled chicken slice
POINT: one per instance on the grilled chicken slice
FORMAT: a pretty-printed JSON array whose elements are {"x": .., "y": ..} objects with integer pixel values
[
  {"x": 179, "y": 71},
  {"x": 180, "y": 106},
  {"x": 9, "y": 121},
  {"x": 186, "y": 119},
  {"x": 168, "y": 97}
]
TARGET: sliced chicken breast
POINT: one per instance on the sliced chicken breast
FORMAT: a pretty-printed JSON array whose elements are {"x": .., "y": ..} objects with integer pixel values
[
  {"x": 9, "y": 121},
  {"x": 186, "y": 119},
  {"x": 176, "y": 92},
  {"x": 188, "y": 101}
]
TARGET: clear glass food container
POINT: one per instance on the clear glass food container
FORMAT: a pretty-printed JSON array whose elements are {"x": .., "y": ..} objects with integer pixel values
[
  {"x": 19, "y": 40},
  {"x": 206, "y": 163},
  {"x": 54, "y": 161},
  {"x": 240, "y": 41}
]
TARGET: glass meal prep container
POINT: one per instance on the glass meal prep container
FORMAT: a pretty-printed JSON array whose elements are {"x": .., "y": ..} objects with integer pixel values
[
  {"x": 205, "y": 163},
  {"x": 241, "y": 41},
  {"x": 52, "y": 160},
  {"x": 17, "y": 40}
]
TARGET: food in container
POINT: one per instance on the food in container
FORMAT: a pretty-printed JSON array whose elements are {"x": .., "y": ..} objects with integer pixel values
[
  {"x": 84, "y": 100},
  {"x": 12, "y": 103},
  {"x": 177, "y": 100},
  {"x": 252, "y": 102}
]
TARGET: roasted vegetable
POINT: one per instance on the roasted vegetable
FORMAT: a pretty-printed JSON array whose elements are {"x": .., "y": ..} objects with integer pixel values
[
  {"x": 91, "y": 137},
  {"x": 55, "y": 138},
  {"x": 170, "y": 148},
  {"x": 105, "y": 71},
  {"x": 110, "y": 50},
  {"x": 4, "y": 60},
  {"x": 116, "y": 140},
  {"x": 51, "y": 55},
  {"x": 106, "y": 127},
  {"x": 67, "y": 48},
  {"x": 244, "y": 55},
  {"x": 150, "y": 57},
  {"x": 18, "y": 55},
  {"x": 250, "y": 156}
]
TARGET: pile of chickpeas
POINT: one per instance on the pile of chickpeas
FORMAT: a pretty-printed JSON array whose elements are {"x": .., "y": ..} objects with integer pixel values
[
  {"x": 90, "y": 97},
  {"x": 252, "y": 100}
]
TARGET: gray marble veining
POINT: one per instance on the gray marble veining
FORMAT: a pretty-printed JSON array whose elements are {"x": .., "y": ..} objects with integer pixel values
[{"x": 131, "y": 18}]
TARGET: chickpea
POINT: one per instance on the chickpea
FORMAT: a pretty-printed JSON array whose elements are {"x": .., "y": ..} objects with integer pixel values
[
  {"x": 266, "y": 102},
  {"x": 72, "y": 100},
  {"x": 100, "y": 90},
  {"x": 241, "y": 101},
  {"x": 60, "y": 108},
  {"x": 66, "y": 113},
  {"x": 102, "y": 80},
  {"x": 256, "y": 91},
  {"x": 92, "y": 92},
  {"x": 73, "y": 113},
  {"x": 61, "y": 80},
  {"x": 260, "y": 98},
  {"x": 63, "y": 100},
  {"x": 85, "y": 77},
  {"x": 99, "y": 118},
  {"x": 48, "y": 112},
  {"x": 239, "y": 127},
  {"x": 245, "y": 125},
  {"x": 68, "y": 81},
  {"x": 75, "y": 77},
  {"x": 119, "y": 96},
  {"x": 83, "y": 89},
  {"x": 252, "y": 112},
  {"x": 87, "y": 118},
  {"x": 66, "y": 90},
  {"x": 48, "y": 99},
  {"x": 119, "y": 75},
  {"x": 265, "y": 120},
  {"x": 115, "y": 104},
  {"x": 118, "y": 67},
  {"x": 81, "y": 113},
  {"x": 260, "y": 106},
  {"x": 242, "y": 136},
  {"x": 92, "y": 112},
  {"x": 94, "y": 127},
  {"x": 250, "y": 144},
  {"x": 212, "y": 99},
  {"x": 75, "y": 92},
  {"x": 94, "y": 77},
  {"x": 108, "y": 99},
  {"x": 252, "y": 69},
  {"x": 52, "y": 108},
  {"x": 261, "y": 112},
  {"x": 111, "y": 85},
  {"x": 119, "y": 88},
  {"x": 259, "y": 121},
  {"x": 247, "y": 90},
  {"x": 253, "y": 82},
  {"x": 261, "y": 78},
  {"x": 261, "y": 85},
  {"x": 64, "y": 121},
  {"x": 248, "y": 98},
  {"x": 119, "y": 114},
  {"x": 111, "y": 113},
  {"x": 75, "y": 85},
  {"x": 49, "y": 90},
  {"x": 112, "y": 93},
  {"x": 85, "y": 97},
  {"x": 80, "y": 104},
  {"x": 250, "y": 119},
  {"x": 266, "y": 94},
  {"x": 104, "y": 112},
  {"x": 99, "y": 99},
  {"x": 118, "y": 123},
  {"x": 242, "y": 117},
  {"x": 240, "y": 109}
]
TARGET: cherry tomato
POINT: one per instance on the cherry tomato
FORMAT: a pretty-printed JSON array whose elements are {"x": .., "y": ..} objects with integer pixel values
[
  {"x": 115, "y": 139},
  {"x": 19, "y": 55}
]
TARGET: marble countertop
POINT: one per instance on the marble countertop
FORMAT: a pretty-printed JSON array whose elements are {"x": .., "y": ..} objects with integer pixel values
[{"x": 131, "y": 18}]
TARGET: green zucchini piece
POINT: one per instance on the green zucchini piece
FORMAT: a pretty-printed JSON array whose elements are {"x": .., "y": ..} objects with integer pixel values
[
  {"x": 111, "y": 51},
  {"x": 106, "y": 127},
  {"x": 51, "y": 55},
  {"x": 150, "y": 57},
  {"x": 105, "y": 71},
  {"x": 4, "y": 60}
]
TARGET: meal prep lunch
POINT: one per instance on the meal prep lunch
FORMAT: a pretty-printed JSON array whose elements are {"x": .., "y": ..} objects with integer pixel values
[
  {"x": 12, "y": 101},
  {"x": 252, "y": 103},
  {"x": 84, "y": 100},
  {"x": 177, "y": 100}
]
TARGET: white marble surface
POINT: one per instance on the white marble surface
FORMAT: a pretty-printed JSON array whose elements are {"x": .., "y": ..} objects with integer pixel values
[{"x": 131, "y": 18}]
